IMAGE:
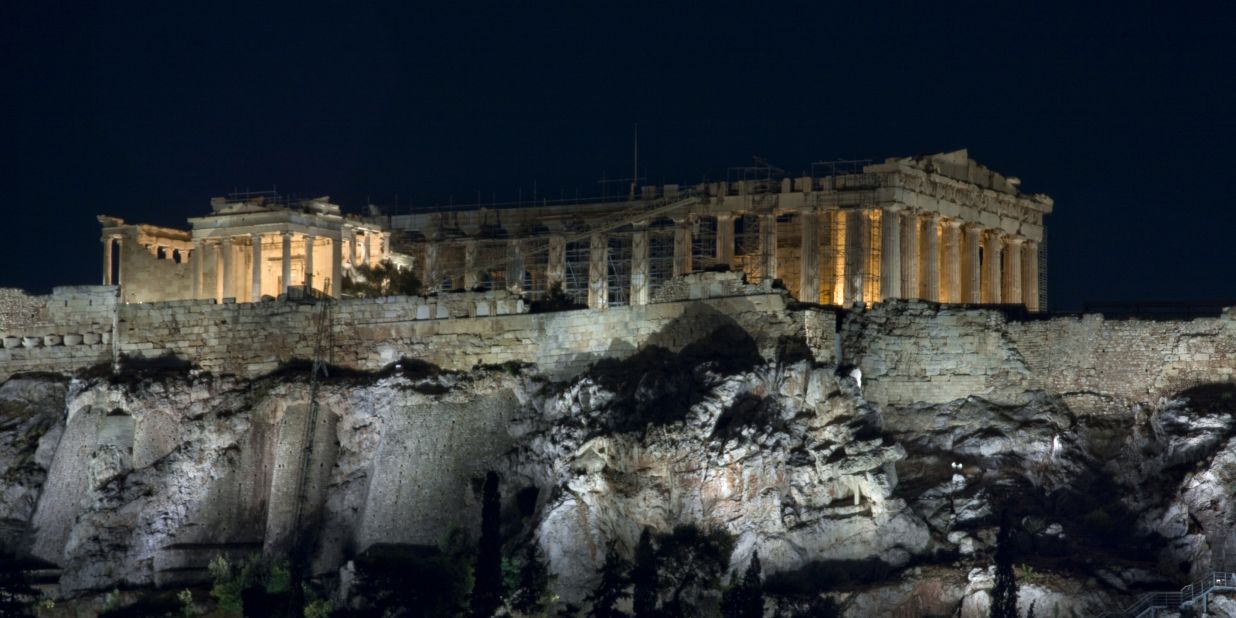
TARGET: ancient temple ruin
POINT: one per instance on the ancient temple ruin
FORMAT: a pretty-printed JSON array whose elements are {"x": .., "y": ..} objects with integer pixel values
[
  {"x": 247, "y": 248},
  {"x": 939, "y": 227}
]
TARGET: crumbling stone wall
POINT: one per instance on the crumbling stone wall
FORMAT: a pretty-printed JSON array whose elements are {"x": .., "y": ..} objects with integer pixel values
[
  {"x": 18, "y": 309},
  {"x": 910, "y": 351},
  {"x": 61, "y": 332}
]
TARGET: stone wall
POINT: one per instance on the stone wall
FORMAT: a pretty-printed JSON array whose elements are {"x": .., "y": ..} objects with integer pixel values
[
  {"x": 67, "y": 330},
  {"x": 255, "y": 338},
  {"x": 910, "y": 351}
]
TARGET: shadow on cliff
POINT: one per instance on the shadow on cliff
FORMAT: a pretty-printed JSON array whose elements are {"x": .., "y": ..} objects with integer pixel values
[{"x": 656, "y": 385}]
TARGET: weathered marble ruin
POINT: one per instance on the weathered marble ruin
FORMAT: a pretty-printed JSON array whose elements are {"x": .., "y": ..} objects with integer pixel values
[
  {"x": 245, "y": 249},
  {"x": 941, "y": 228}
]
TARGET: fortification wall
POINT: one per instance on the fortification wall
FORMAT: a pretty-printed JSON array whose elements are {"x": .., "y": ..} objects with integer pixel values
[
  {"x": 62, "y": 332},
  {"x": 912, "y": 352},
  {"x": 255, "y": 338}
]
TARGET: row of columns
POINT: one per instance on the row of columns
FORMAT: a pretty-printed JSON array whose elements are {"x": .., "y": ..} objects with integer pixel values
[
  {"x": 921, "y": 255},
  {"x": 226, "y": 284}
]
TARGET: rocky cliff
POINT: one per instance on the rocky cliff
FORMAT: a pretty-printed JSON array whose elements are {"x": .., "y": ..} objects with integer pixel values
[{"x": 140, "y": 479}]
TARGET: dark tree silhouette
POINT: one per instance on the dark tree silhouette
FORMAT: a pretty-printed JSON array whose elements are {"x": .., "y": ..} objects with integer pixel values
[
  {"x": 611, "y": 588},
  {"x": 644, "y": 577},
  {"x": 745, "y": 599},
  {"x": 1004, "y": 594},
  {"x": 532, "y": 594},
  {"x": 690, "y": 560},
  {"x": 487, "y": 591}
]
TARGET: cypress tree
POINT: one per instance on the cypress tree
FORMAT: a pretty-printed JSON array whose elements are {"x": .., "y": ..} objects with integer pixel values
[
  {"x": 533, "y": 583},
  {"x": 753, "y": 589},
  {"x": 644, "y": 577},
  {"x": 611, "y": 588},
  {"x": 1004, "y": 594},
  {"x": 487, "y": 590}
]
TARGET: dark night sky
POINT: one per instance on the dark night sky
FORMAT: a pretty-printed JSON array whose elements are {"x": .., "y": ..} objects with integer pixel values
[{"x": 1122, "y": 112}]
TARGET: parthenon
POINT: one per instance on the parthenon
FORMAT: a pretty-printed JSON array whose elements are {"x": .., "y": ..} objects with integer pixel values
[{"x": 936, "y": 227}]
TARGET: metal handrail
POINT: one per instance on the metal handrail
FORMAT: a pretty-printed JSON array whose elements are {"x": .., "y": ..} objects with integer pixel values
[{"x": 1188, "y": 595}]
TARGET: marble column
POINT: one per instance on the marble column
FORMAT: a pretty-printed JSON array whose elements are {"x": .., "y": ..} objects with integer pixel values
[
  {"x": 910, "y": 269},
  {"x": 890, "y": 253},
  {"x": 832, "y": 273},
  {"x": 1030, "y": 275},
  {"x": 107, "y": 261},
  {"x": 470, "y": 275},
  {"x": 856, "y": 253},
  {"x": 682, "y": 248},
  {"x": 930, "y": 281},
  {"x": 217, "y": 248},
  {"x": 308, "y": 281},
  {"x": 199, "y": 257},
  {"x": 639, "y": 264},
  {"x": 598, "y": 272},
  {"x": 971, "y": 264},
  {"x": 809, "y": 269},
  {"x": 514, "y": 266},
  {"x": 768, "y": 247},
  {"x": 725, "y": 239},
  {"x": 950, "y": 262},
  {"x": 336, "y": 268},
  {"x": 256, "y": 268},
  {"x": 365, "y": 247},
  {"x": 555, "y": 267},
  {"x": 993, "y": 252},
  {"x": 229, "y": 272},
  {"x": 285, "y": 279},
  {"x": 1012, "y": 271}
]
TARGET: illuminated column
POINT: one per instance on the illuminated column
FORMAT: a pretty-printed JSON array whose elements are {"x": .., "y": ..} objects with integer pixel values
[
  {"x": 809, "y": 269},
  {"x": 950, "y": 261},
  {"x": 198, "y": 256},
  {"x": 725, "y": 239},
  {"x": 256, "y": 268},
  {"x": 598, "y": 284},
  {"x": 1030, "y": 275},
  {"x": 229, "y": 286},
  {"x": 285, "y": 281},
  {"x": 365, "y": 248},
  {"x": 218, "y": 250},
  {"x": 832, "y": 274},
  {"x": 384, "y": 245},
  {"x": 470, "y": 278},
  {"x": 971, "y": 275},
  {"x": 1012, "y": 271},
  {"x": 514, "y": 266},
  {"x": 890, "y": 253},
  {"x": 107, "y": 260},
  {"x": 309, "y": 240},
  {"x": 768, "y": 247},
  {"x": 856, "y": 249},
  {"x": 910, "y": 224},
  {"x": 682, "y": 248},
  {"x": 639, "y": 264},
  {"x": 993, "y": 249},
  {"x": 336, "y": 267},
  {"x": 432, "y": 281},
  {"x": 931, "y": 258},
  {"x": 555, "y": 269}
]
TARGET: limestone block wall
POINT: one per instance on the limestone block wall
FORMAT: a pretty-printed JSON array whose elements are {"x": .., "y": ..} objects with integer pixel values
[
  {"x": 61, "y": 332},
  {"x": 251, "y": 339},
  {"x": 911, "y": 351}
]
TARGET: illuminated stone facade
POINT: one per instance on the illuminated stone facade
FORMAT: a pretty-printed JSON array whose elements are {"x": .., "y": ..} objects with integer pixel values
[
  {"x": 245, "y": 249},
  {"x": 939, "y": 228}
]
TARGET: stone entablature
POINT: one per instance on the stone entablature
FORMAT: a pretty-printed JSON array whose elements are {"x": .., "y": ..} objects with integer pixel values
[{"x": 938, "y": 227}]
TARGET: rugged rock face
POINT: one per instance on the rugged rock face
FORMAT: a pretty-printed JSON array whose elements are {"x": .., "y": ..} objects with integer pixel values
[{"x": 141, "y": 480}]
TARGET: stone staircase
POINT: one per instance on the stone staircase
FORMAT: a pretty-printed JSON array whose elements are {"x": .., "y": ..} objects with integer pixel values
[{"x": 1195, "y": 596}]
